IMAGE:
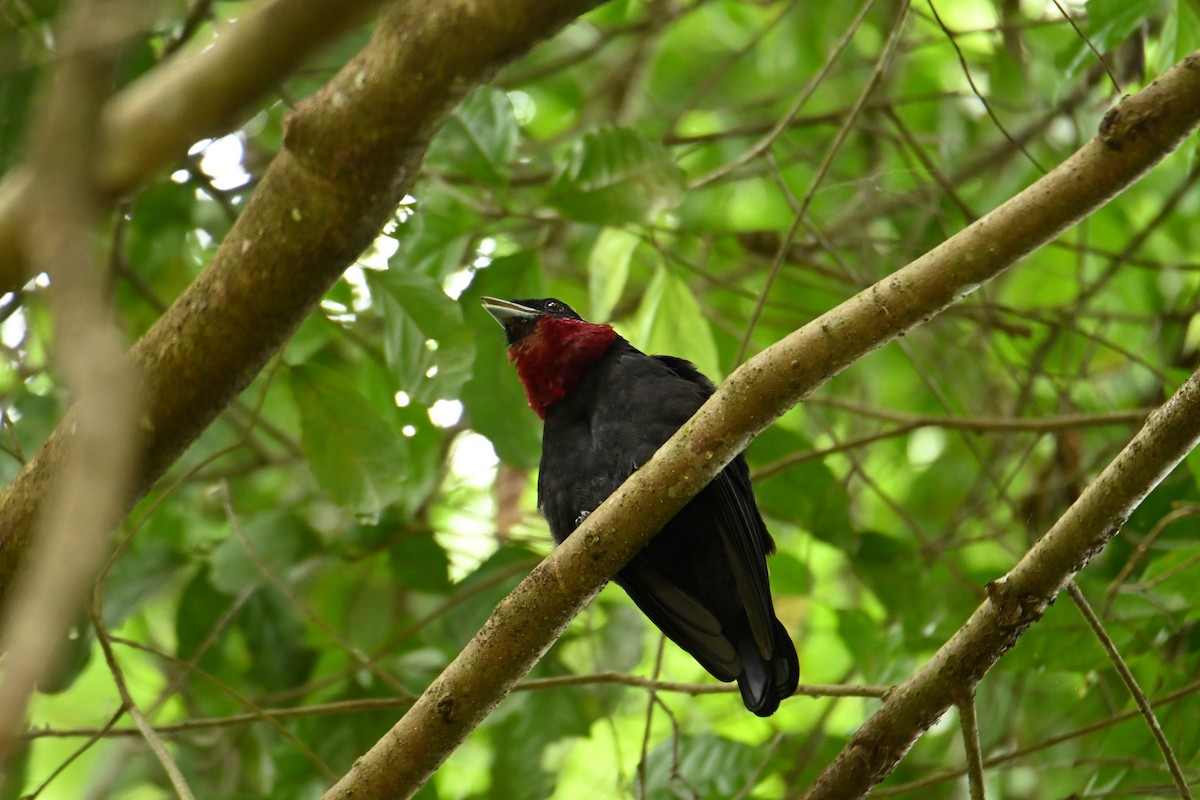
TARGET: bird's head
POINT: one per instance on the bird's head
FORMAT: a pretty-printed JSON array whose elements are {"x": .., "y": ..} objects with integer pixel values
[{"x": 551, "y": 345}]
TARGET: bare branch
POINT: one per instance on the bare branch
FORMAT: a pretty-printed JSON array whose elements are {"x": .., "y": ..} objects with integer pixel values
[
  {"x": 970, "y": 732},
  {"x": 144, "y": 728}
]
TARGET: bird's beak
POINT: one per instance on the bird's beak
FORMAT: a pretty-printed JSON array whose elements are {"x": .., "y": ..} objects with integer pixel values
[{"x": 507, "y": 312}]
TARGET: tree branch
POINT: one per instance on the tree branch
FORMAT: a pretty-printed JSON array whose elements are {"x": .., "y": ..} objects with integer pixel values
[
  {"x": 1134, "y": 136},
  {"x": 88, "y": 493}
]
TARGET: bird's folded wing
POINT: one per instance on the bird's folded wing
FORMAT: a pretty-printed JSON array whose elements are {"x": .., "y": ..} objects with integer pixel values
[
  {"x": 746, "y": 541},
  {"x": 682, "y": 618}
]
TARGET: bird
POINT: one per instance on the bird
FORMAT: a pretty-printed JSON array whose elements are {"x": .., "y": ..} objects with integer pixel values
[{"x": 606, "y": 408}]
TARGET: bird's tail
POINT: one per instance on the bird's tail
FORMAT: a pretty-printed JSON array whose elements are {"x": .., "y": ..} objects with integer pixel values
[{"x": 767, "y": 680}]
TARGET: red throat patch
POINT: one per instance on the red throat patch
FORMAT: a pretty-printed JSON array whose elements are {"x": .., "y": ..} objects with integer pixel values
[{"x": 553, "y": 358}]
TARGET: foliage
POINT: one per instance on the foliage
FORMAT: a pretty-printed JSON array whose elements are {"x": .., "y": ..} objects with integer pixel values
[{"x": 326, "y": 548}]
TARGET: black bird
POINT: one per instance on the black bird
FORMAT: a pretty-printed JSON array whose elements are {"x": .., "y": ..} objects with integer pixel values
[{"x": 607, "y": 408}]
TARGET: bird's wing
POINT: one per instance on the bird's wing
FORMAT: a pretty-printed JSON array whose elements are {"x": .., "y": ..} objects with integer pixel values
[
  {"x": 745, "y": 537},
  {"x": 682, "y": 618},
  {"x": 747, "y": 544}
]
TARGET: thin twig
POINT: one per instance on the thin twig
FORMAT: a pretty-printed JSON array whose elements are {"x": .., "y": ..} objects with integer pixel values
[
  {"x": 1048, "y": 424},
  {"x": 970, "y": 734},
  {"x": 1189, "y": 510},
  {"x": 966, "y": 68},
  {"x": 131, "y": 707},
  {"x": 1131, "y": 684},
  {"x": 768, "y": 139},
  {"x": 86, "y": 499},
  {"x": 651, "y": 699},
  {"x": 255, "y": 709},
  {"x": 93, "y": 735},
  {"x": 1100, "y": 59},
  {"x": 801, "y": 215},
  {"x": 1052, "y": 741}
]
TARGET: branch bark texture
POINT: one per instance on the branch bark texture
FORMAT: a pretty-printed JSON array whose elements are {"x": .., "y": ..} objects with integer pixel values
[
  {"x": 1134, "y": 137},
  {"x": 351, "y": 153}
]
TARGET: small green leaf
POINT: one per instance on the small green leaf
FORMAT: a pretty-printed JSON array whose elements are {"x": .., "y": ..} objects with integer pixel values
[
  {"x": 705, "y": 767},
  {"x": 1109, "y": 24},
  {"x": 479, "y": 139},
  {"x": 616, "y": 175},
  {"x": 821, "y": 506},
  {"x": 75, "y": 655},
  {"x": 434, "y": 240},
  {"x": 426, "y": 344},
  {"x": 201, "y": 607},
  {"x": 147, "y": 567},
  {"x": 608, "y": 270},
  {"x": 275, "y": 636},
  {"x": 278, "y": 541},
  {"x": 669, "y": 322},
  {"x": 352, "y": 451},
  {"x": 420, "y": 563},
  {"x": 790, "y": 575}
]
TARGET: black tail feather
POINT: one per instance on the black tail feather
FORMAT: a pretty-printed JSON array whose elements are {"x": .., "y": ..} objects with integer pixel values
[{"x": 767, "y": 682}]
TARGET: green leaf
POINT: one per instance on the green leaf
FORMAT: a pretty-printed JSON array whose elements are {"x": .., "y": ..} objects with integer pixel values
[
  {"x": 806, "y": 493},
  {"x": 790, "y": 575},
  {"x": 352, "y": 451},
  {"x": 425, "y": 342},
  {"x": 201, "y": 607},
  {"x": 872, "y": 645},
  {"x": 75, "y": 655},
  {"x": 669, "y": 321},
  {"x": 616, "y": 175},
  {"x": 275, "y": 637},
  {"x": 527, "y": 726},
  {"x": 479, "y": 139},
  {"x": 480, "y": 592},
  {"x": 493, "y": 398},
  {"x": 1180, "y": 35},
  {"x": 1109, "y": 23},
  {"x": 278, "y": 540},
  {"x": 420, "y": 563},
  {"x": 148, "y": 566},
  {"x": 608, "y": 270},
  {"x": 622, "y": 639},
  {"x": 434, "y": 240},
  {"x": 891, "y": 568},
  {"x": 705, "y": 767}
]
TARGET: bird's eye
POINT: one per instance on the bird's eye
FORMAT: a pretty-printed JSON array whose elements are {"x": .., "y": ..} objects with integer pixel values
[{"x": 554, "y": 306}]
